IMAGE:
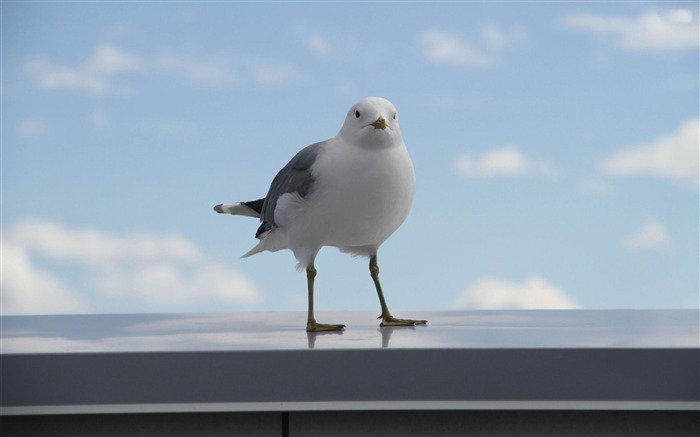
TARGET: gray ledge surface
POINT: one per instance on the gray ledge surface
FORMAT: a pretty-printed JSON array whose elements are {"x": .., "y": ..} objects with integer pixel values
[{"x": 575, "y": 359}]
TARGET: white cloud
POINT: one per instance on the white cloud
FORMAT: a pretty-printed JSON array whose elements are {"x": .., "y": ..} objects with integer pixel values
[
  {"x": 652, "y": 31},
  {"x": 99, "y": 119},
  {"x": 30, "y": 128},
  {"x": 442, "y": 47},
  {"x": 318, "y": 44},
  {"x": 95, "y": 75},
  {"x": 497, "y": 39},
  {"x": 651, "y": 234},
  {"x": 110, "y": 60},
  {"x": 275, "y": 73},
  {"x": 211, "y": 72},
  {"x": 165, "y": 270},
  {"x": 29, "y": 290},
  {"x": 673, "y": 156},
  {"x": 342, "y": 48},
  {"x": 534, "y": 293},
  {"x": 595, "y": 187},
  {"x": 95, "y": 247},
  {"x": 102, "y": 72},
  {"x": 172, "y": 284},
  {"x": 99, "y": 72},
  {"x": 505, "y": 161}
]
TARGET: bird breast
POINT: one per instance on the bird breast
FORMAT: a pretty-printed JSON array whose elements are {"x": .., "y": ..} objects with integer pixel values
[{"x": 363, "y": 195}]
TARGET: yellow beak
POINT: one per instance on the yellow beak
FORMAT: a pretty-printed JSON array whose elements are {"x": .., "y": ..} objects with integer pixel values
[{"x": 380, "y": 123}]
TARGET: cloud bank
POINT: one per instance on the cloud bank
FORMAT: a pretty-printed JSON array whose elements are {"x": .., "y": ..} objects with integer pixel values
[
  {"x": 673, "y": 156},
  {"x": 652, "y": 31},
  {"x": 27, "y": 289},
  {"x": 103, "y": 71},
  {"x": 651, "y": 234},
  {"x": 161, "y": 270},
  {"x": 507, "y": 161},
  {"x": 447, "y": 48},
  {"x": 95, "y": 75},
  {"x": 496, "y": 294}
]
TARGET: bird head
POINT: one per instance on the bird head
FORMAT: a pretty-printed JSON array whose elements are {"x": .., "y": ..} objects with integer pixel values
[{"x": 372, "y": 122}]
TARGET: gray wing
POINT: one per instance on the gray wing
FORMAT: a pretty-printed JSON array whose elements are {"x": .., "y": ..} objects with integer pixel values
[{"x": 295, "y": 177}]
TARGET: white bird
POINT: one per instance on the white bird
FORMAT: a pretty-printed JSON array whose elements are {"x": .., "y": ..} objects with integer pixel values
[{"x": 351, "y": 192}]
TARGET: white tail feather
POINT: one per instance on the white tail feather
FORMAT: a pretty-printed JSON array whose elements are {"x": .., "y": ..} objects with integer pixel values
[
  {"x": 271, "y": 241},
  {"x": 257, "y": 249},
  {"x": 236, "y": 209}
]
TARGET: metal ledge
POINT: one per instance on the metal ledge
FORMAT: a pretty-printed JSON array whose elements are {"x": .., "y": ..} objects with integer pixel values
[{"x": 555, "y": 360}]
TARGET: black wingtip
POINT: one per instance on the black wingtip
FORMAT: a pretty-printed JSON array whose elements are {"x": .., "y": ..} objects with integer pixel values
[
  {"x": 255, "y": 205},
  {"x": 219, "y": 208}
]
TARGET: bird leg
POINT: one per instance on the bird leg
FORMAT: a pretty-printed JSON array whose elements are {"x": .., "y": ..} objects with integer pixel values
[
  {"x": 311, "y": 324},
  {"x": 387, "y": 318}
]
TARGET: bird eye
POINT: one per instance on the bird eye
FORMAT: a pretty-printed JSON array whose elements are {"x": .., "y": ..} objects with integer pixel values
[
  {"x": 394, "y": 115},
  {"x": 357, "y": 114}
]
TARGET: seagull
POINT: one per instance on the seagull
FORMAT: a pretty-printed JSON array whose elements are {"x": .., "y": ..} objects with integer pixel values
[{"x": 350, "y": 192}]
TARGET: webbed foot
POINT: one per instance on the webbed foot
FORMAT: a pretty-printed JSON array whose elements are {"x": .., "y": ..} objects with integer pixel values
[
  {"x": 319, "y": 327},
  {"x": 393, "y": 321}
]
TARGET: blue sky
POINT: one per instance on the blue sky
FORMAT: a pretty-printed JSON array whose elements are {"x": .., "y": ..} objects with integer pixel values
[{"x": 555, "y": 147}]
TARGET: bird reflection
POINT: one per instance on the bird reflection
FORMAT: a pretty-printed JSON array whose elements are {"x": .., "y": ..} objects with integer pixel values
[
  {"x": 386, "y": 332},
  {"x": 386, "y": 335},
  {"x": 311, "y": 336}
]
